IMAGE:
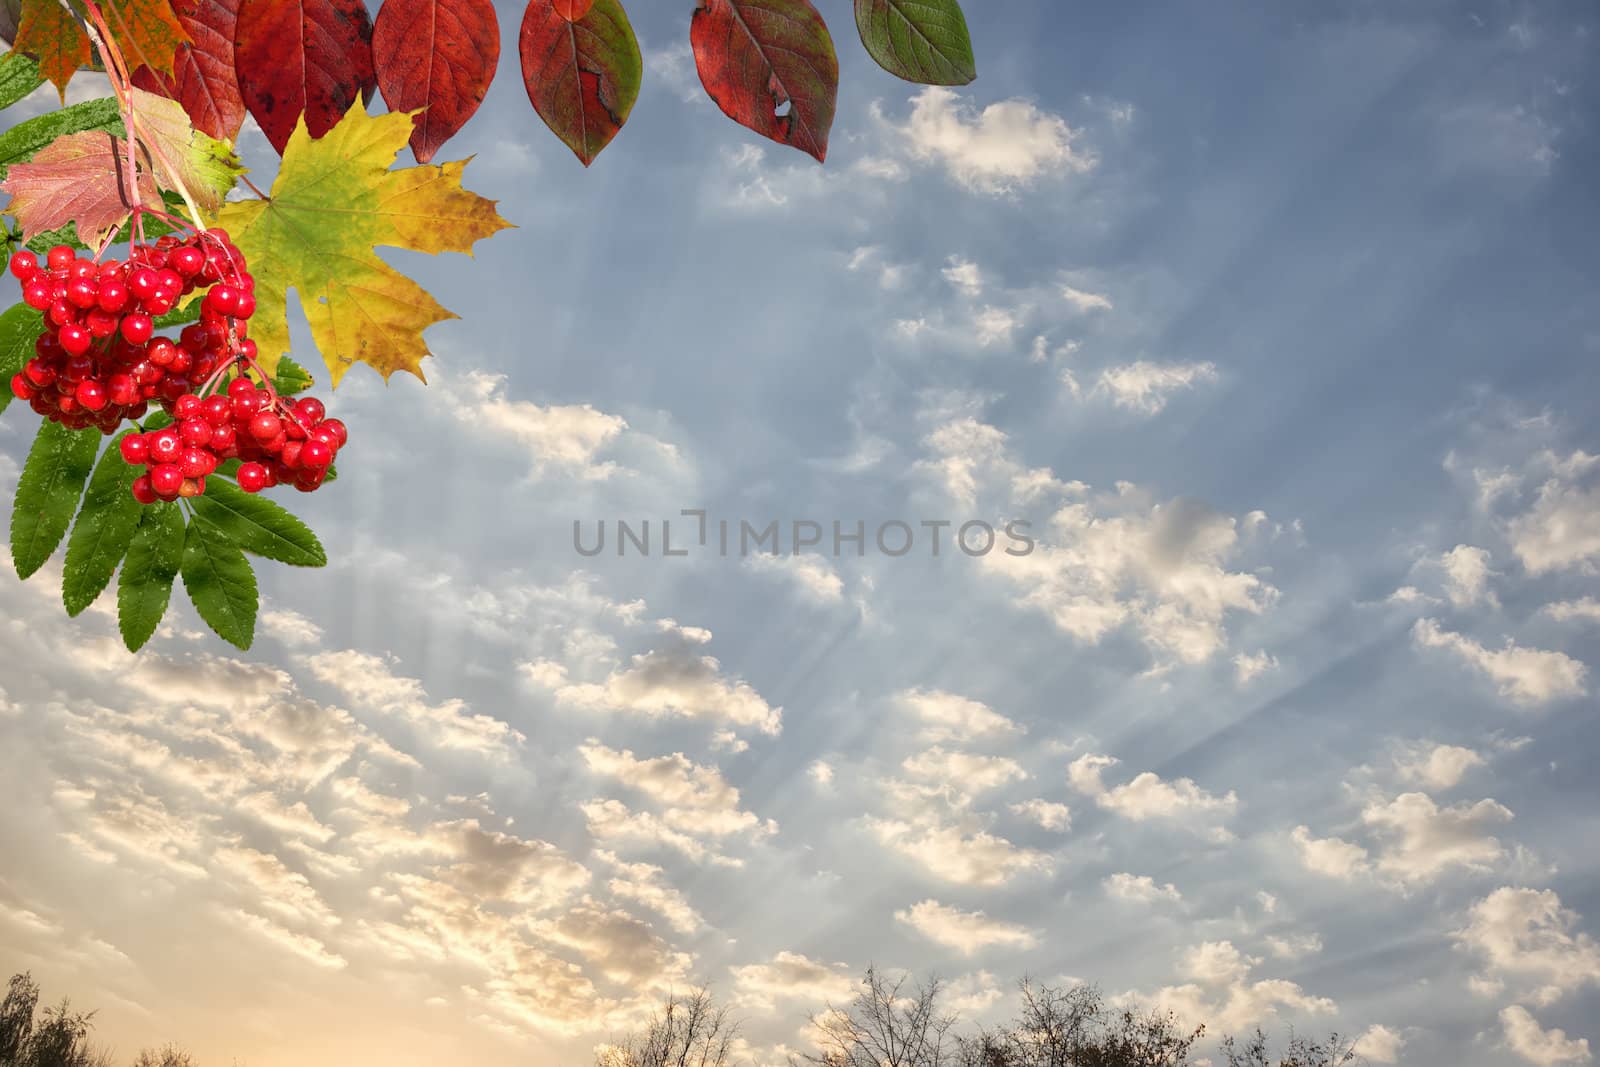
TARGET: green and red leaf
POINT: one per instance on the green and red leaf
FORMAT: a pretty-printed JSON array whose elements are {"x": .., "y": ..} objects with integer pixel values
[
  {"x": 294, "y": 57},
  {"x": 48, "y": 32},
  {"x": 147, "y": 31},
  {"x": 437, "y": 57},
  {"x": 203, "y": 78},
  {"x": 770, "y": 66},
  {"x": 78, "y": 178},
  {"x": 582, "y": 76},
  {"x": 573, "y": 10}
]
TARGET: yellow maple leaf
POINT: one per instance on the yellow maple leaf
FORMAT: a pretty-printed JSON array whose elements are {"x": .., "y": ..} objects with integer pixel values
[{"x": 334, "y": 200}]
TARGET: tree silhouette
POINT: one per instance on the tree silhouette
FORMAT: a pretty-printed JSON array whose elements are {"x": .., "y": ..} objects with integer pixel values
[
  {"x": 890, "y": 1023},
  {"x": 688, "y": 1030}
]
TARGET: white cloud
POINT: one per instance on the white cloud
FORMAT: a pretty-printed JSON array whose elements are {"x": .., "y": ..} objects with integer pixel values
[
  {"x": 1005, "y": 147},
  {"x": 614, "y": 821},
  {"x": 955, "y": 854},
  {"x": 1467, "y": 575},
  {"x": 1147, "y": 796},
  {"x": 949, "y": 717},
  {"x": 791, "y": 976},
  {"x": 371, "y": 681},
  {"x": 1141, "y": 889},
  {"x": 1532, "y": 1042},
  {"x": 1146, "y": 387},
  {"x": 1247, "y": 667},
  {"x": 964, "y": 275},
  {"x": 696, "y": 799},
  {"x": 1047, "y": 814},
  {"x": 1437, "y": 766},
  {"x": 811, "y": 575},
  {"x": 1422, "y": 840},
  {"x": 304, "y": 946},
  {"x": 1525, "y": 676},
  {"x": 968, "y": 932},
  {"x": 1333, "y": 857},
  {"x": 1587, "y": 609},
  {"x": 1222, "y": 994},
  {"x": 1562, "y": 529},
  {"x": 642, "y": 883},
  {"x": 960, "y": 777},
  {"x": 1526, "y": 935},
  {"x": 1380, "y": 1044},
  {"x": 1085, "y": 301},
  {"x": 821, "y": 772}
]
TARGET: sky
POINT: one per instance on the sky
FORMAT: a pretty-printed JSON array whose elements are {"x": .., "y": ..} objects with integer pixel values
[{"x": 1275, "y": 323}]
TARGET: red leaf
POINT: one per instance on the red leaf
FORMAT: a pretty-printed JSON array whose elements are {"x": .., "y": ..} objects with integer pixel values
[
  {"x": 582, "y": 76},
  {"x": 294, "y": 56},
  {"x": 79, "y": 178},
  {"x": 203, "y": 78},
  {"x": 770, "y": 65},
  {"x": 573, "y": 10},
  {"x": 439, "y": 55}
]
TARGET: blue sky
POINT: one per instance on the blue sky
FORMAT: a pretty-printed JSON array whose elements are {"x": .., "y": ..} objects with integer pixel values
[{"x": 1275, "y": 321}]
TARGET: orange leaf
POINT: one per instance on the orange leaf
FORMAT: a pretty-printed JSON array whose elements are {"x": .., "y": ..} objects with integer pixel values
[
  {"x": 147, "y": 32},
  {"x": 47, "y": 32}
]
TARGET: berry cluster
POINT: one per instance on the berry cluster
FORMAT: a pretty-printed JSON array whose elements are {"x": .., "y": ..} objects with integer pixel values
[
  {"x": 98, "y": 363},
  {"x": 279, "y": 443}
]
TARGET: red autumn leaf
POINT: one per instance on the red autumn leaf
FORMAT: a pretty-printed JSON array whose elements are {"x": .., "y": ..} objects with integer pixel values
[
  {"x": 147, "y": 31},
  {"x": 573, "y": 10},
  {"x": 770, "y": 65},
  {"x": 203, "y": 79},
  {"x": 439, "y": 55},
  {"x": 582, "y": 76},
  {"x": 78, "y": 178},
  {"x": 302, "y": 56},
  {"x": 48, "y": 32}
]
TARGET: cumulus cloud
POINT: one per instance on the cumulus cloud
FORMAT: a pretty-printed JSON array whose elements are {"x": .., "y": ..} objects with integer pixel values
[
  {"x": 372, "y": 682},
  {"x": 1545, "y": 1048},
  {"x": 791, "y": 976},
  {"x": 968, "y": 932},
  {"x": 1047, "y": 814},
  {"x": 811, "y": 575},
  {"x": 1141, "y": 889},
  {"x": 1083, "y": 300},
  {"x": 1437, "y": 766},
  {"x": 964, "y": 275},
  {"x": 949, "y": 717},
  {"x": 1586, "y": 609},
  {"x": 1222, "y": 992},
  {"x": 1526, "y": 935},
  {"x": 957, "y": 777},
  {"x": 644, "y": 884},
  {"x": 1247, "y": 667},
  {"x": 1467, "y": 573},
  {"x": 956, "y": 854},
  {"x": 1332, "y": 857},
  {"x": 1561, "y": 531},
  {"x": 1146, "y": 387},
  {"x": 1422, "y": 840},
  {"x": 1380, "y": 1044},
  {"x": 1525, "y": 676},
  {"x": 696, "y": 799},
  {"x": 1148, "y": 796},
  {"x": 1002, "y": 148},
  {"x": 560, "y": 439}
]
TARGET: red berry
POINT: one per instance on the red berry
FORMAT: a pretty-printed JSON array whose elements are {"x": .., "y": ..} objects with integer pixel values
[
  {"x": 310, "y": 411},
  {"x": 166, "y": 446},
  {"x": 21, "y": 389},
  {"x": 196, "y": 463},
  {"x": 337, "y": 430},
  {"x": 137, "y": 328},
  {"x": 315, "y": 455},
  {"x": 75, "y": 339},
  {"x": 216, "y": 409},
  {"x": 166, "y": 479},
  {"x": 192, "y": 487},
  {"x": 24, "y": 265},
  {"x": 61, "y": 312},
  {"x": 37, "y": 295},
  {"x": 223, "y": 300},
  {"x": 252, "y": 477},
  {"x": 40, "y": 373},
  {"x": 61, "y": 257},
  {"x": 265, "y": 426},
  {"x": 186, "y": 261},
  {"x": 195, "y": 431},
  {"x": 143, "y": 284},
  {"x": 101, "y": 323},
  {"x": 135, "y": 449},
  {"x": 187, "y": 407},
  {"x": 246, "y": 305},
  {"x": 143, "y": 491},
  {"x": 224, "y": 440},
  {"x": 123, "y": 390},
  {"x": 240, "y": 388},
  {"x": 92, "y": 395},
  {"x": 113, "y": 295},
  {"x": 162, "y": 352},
  {"x": 83, "y": 294}
]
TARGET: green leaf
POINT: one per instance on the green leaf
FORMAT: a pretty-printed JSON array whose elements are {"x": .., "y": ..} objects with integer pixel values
[
  {"x": 221, "y": 584},
  {"x": 19, "y": 76},
  {"x": 48, "y": 492},
  {"x": 103, "y": 531},
  {"x": 923, "y": 41},
  {"x": 291, "y": 378},
  {"x": 180, "y": 316},
  {"x": 258, "y": 525},
  {"x": 20, "y": 142},
  {"x": 145, "y": 587},
  {"x": 19, "y": 326}
]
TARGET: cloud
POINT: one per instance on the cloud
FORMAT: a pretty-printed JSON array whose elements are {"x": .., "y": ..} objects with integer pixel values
[
  {"x": 612, "y": 820},
  {"x": 1561, "y": 531},
  {"x": 678, "y": 679},
  {"x": 1147, "y": 796},
  {"x": 949, "y": 717},
  {"x": 1141, "y": 889},
  {"x": 1437, "y": 766},
  {"x": 371, "y": 681},
  {"x": 1247, "y": 667},
  {"x": 1085, "y": 301},
  {"x": 955, "y": 854},
  {"x": 968, "y": 932},
  {"x": 1379, "y": 1044},
  {"x": 1146, "y": 387},
  {"x": 791, "y": 976},
  {"x": 1467, "y": 575},
  {"x": 1532, "y": 1042},
  {"x": 1222, "y": 994},
  {"x": 959, "y": 777},
  {"x": 1422, "y": 840},
  {"x": 696, "y": 799},
  {"x": 811, "y": 575},
  {"x": 1526, "y": 934},
  {"x": 1332, "y": 857},
  {"x": 1005, "y": 147},
  {"x": 1587, "y": 609},
  {"x": 642, "y": 884},
  {"x": 1525, "y": 676},
  {"x": 964, "y": 275},
  {"x": 304, "y": 946},
  {"x": 1047, "y": 814}
]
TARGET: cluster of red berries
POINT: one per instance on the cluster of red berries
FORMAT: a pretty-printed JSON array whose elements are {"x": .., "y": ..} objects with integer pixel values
[
  {"x": 98, "y": 360},
  {"x": 280, "y": 443}
]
